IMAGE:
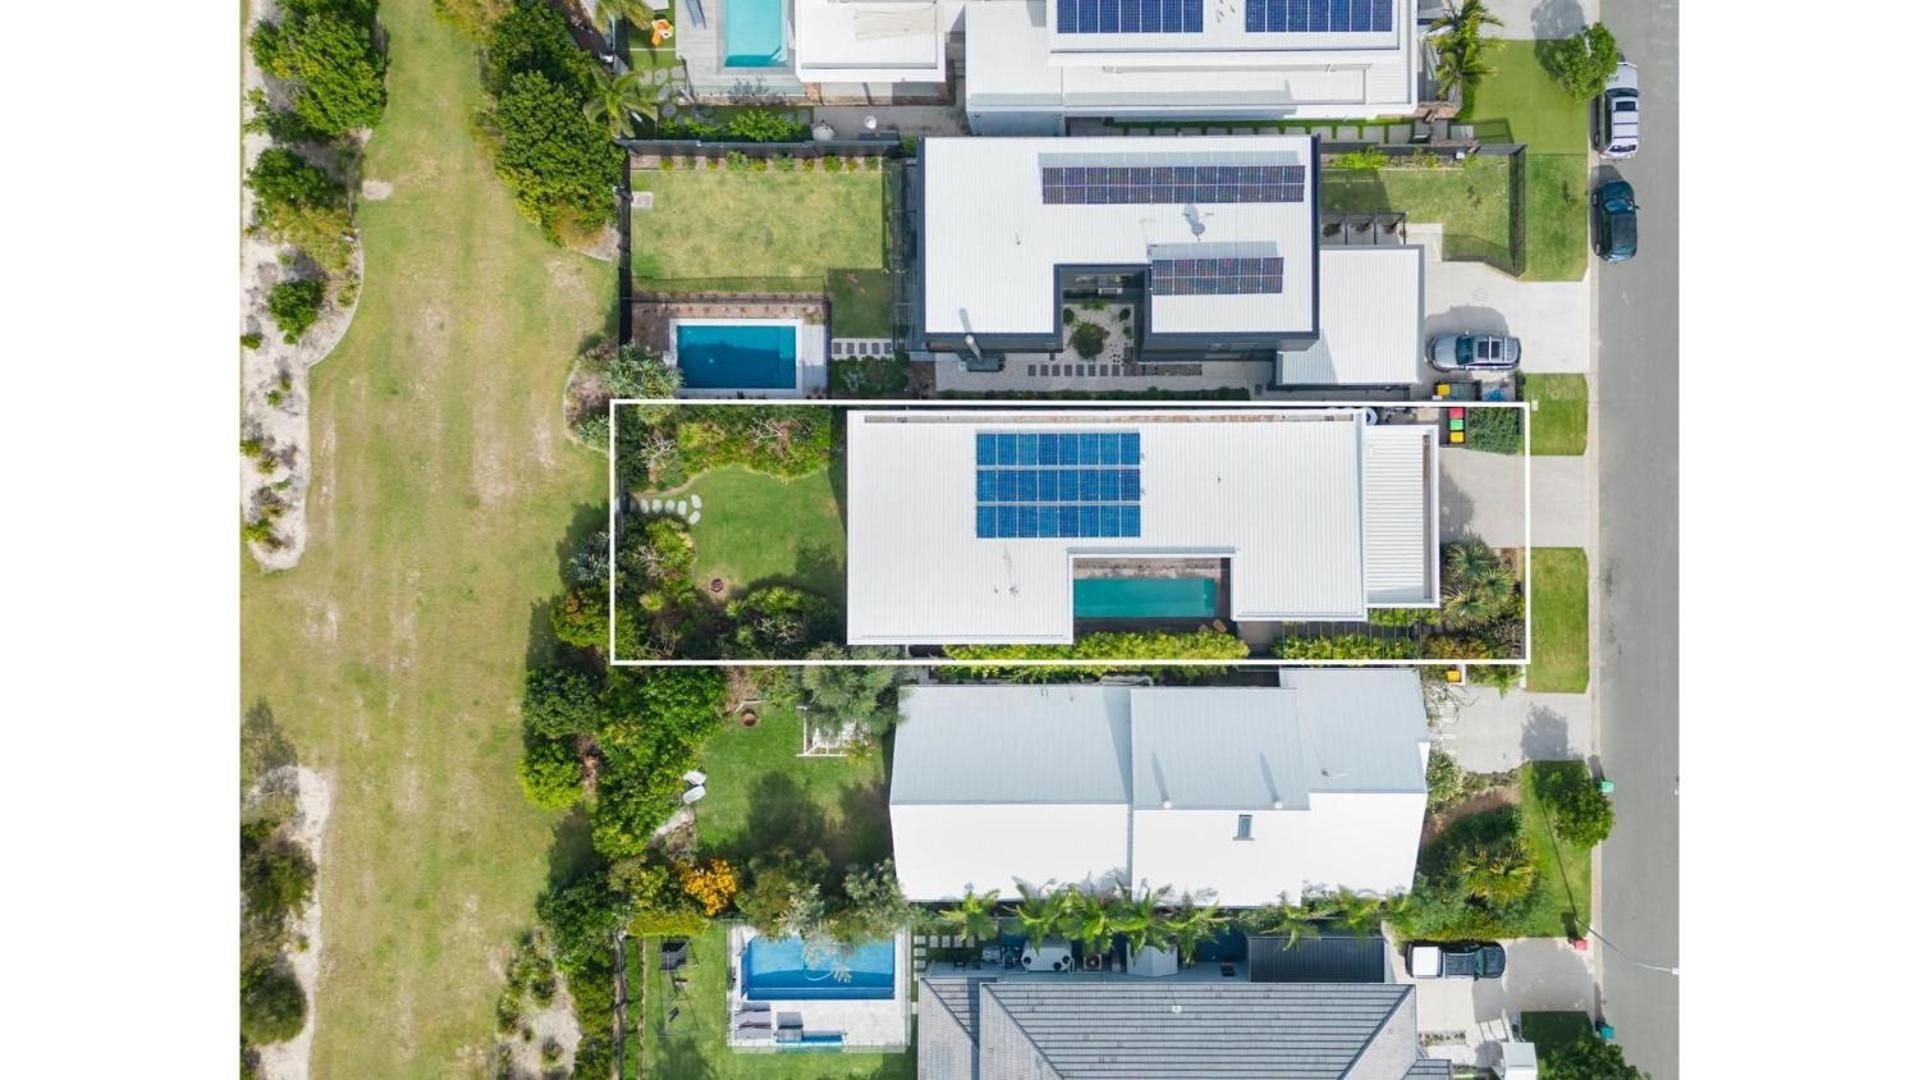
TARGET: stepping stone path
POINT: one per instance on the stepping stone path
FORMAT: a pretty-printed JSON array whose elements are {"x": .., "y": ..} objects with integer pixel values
[{"x": 862, "y": 347}]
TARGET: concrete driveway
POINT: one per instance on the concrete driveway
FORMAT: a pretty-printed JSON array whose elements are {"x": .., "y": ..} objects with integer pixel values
[
  {"x": 1551, "y": 319},
  {"x": 1540, "y": 18},
  {"x": 1482, "y": 494},
  {"x": 1489, "y": 733},
  {"x": 1542, "y": 974},
  {"x": 1561, "y": 497}
]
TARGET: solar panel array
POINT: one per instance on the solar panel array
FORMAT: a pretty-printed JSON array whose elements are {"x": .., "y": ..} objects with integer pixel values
[
  {"x": 1318, "y": 16},
  {"x": 1129, "y": 17},
  {"x": 1216, "y": 277},
  {"x": 1045, "y": 484},
  {"x": 1113, "y": 184}
]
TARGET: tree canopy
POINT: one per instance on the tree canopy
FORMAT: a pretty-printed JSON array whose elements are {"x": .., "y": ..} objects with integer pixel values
[
  {"x": 1581, "y": 64},
  {"x": 324, "y": 51},
  {"x": 558, "y": 164}
]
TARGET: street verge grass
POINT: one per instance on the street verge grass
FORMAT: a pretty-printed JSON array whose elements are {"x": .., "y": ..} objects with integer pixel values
[
  {"x": 1560, "y": 653},
  {"x": 392, "y": 656},
  {"x": 1520, "y": 101},
  {"x": 1565, "y": 872},
  {"x": 1559, "y": 416}
]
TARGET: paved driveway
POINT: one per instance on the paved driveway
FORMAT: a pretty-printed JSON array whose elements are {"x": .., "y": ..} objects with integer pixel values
[
  {"x": 1561, "y": 497},
  {"x": 1482, "y": 494},
  {"x": 1540, "y": 18},
  {"x": 1542, "y": 974},
  {"x": 1551, "y": 319},
  {"x": 1490, "y": 733}
]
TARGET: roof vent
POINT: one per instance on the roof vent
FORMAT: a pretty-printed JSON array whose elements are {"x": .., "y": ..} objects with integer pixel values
[{"x": 1166, "y": 804}]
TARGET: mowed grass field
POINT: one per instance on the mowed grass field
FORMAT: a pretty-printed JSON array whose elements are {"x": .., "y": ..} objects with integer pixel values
[
  {"x": 393, "y": 654},
  {"x": 759, "y": 529},
  {"x": 1561, "y": 657},
  {"x": 1520, "y": 96},
  {"x": 741, "y": 225}
]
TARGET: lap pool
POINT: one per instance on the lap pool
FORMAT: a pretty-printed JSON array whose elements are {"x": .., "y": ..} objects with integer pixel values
[
  {"x": 755, "y": 33},
  {"x": 776, "y": 969},
  {"x": 1145, "y": 598},
  {"x": 737, "y": 355}
]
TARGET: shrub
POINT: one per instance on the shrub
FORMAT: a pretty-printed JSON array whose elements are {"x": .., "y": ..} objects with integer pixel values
[
  {"x": 1494, "y": 430},
  {"x": 532, "y": 37},
  {"x": 833, "y": 163},
  {"x": 1581, "y": 64},
  {"x": 735, "y": 160},
  {"x": 1206, "y": 644},
  {"x": 1587, "y": 1057},
  {"x": 297, "y": 203},
  {"x": 1580, "y": 813},
  {"x": 778, "y": 622},
  {"x": 1445, "y": 782},
  {"x": 785, "y": 163},
  {"x": 713, "y": 885},
  {"x": 1371, "y": 159},
  {"x": 1069, "y": 316},
  {"x": 272, "y": 1006},
  {"x": 558, "y": 164},
  {"x": 551, "y": 774},
  {"x": 1346, "y": 647},
  {"x": 765, "y": 125},
  {"x": 323, "y": 50},
  {"x": 295, "y": 306},
  {"x": 251, "y": 340},
  {"x": 669, "y": 163},
  {"x": 560, "y": 702},
  {"x": 1088, "y": 339},
  {"x": 859, "y": 695}
]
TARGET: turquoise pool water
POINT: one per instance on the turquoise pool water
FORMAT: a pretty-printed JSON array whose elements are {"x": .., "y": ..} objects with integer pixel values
[
  {"x": 775, "y": 969},
  {"x": 738, "y": 357},
  {"x": 755, "y": 33},
  {"x": 1145, "y": 598}
]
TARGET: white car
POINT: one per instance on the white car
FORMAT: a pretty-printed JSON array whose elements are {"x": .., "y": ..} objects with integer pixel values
[{"x": 1616, "y": 125}]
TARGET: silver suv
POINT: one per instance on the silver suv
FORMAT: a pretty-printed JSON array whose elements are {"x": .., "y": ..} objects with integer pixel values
[
  {"x": 1616, "y": 127},
  {"x": 1473, "y": 352}
]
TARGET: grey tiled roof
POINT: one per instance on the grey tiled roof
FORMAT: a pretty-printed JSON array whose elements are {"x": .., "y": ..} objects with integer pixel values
[{"x": 1092, "y": 1030}]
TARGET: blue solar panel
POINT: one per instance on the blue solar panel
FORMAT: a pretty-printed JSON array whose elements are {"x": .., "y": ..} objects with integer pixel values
[
  {"x": 1138, "y": 184},
  {"x": 1217, "y": 277},
  {"x": 1056, "y": 484},
  {"x": 1129, "y": 17},
  {"x": 1319, "y": 16}
]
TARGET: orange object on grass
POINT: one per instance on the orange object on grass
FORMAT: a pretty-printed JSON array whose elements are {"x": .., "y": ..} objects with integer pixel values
[{"x": 662, "y": 29}]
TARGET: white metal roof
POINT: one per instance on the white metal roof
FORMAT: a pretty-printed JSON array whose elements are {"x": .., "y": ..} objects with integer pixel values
[
  {"x": 867, "y": 41},
  {"x": 1015, "y": 61},
  {"x": 1277, "y": 492},
  {"x": 1341, "y": 752},
  {"x": 1371, "y": 315},
  {"x": 991, "y": 243},
  {"x": 1402, "y": 516}
]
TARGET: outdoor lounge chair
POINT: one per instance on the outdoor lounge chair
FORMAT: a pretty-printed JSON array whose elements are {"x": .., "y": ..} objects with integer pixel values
[
  {"x": 694, "y": 794},
  {"x": 694, "y": 778}
]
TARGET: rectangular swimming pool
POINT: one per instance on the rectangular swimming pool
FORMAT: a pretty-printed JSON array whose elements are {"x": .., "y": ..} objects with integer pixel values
[
  {"x": 776, "y": 969},
  {"x": 755, "y": 33},
  {"x": 737, "y": 356},
  {"x": 1145, "y": 598}
]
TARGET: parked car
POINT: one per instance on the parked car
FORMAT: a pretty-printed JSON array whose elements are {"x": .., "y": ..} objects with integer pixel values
[
  {"x": 1473, "y": 352},
  {"x": 1616, "y": 125},
  {"x": 1456, "y": 960},
  {"x": 1615, "y": 221}
]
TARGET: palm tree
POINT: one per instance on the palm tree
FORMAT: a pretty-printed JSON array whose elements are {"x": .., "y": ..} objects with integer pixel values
[
  {"x": 1357, "y": 913},
  {"x": 1291, "y": 921},
  {"x": 1084, "y": 920},
  {"x": 616, "y": 98},
  {"x": 1467, "y": 20},
  {"x": 1137, "y": 917},
  {"x": 974, "y": 918},
  {"x": 1499, "y": 874},
  {"x": 1193, "y": 925},
  {"x": 608, "y": 13},
  {"x": 1039, "y": 911}
]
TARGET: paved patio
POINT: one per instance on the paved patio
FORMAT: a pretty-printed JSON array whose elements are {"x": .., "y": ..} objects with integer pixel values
[
  {"x": 1542, "y": 974},
  {"x": 1552, "y": 319},
  {"x": 1490, "y": 733}
]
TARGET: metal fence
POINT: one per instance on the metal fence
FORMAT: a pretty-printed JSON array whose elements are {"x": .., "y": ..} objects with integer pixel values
[{"x": 876, "y": 147}]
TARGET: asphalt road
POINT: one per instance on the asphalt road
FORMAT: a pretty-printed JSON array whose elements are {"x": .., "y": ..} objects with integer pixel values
[{"x": 1636, "y": 656}]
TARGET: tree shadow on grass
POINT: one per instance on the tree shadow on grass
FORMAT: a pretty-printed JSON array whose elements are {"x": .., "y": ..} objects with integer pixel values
[{"x": 572, "y": 856}]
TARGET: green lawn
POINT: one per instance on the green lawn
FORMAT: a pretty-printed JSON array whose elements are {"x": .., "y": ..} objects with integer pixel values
[
  {"x": 393, "y": 654},
  {"x": 1547, "y": 1030},
  {"x": 1473, "y": 202},
  {"x": 755, "y": 528},
  {"x": 1520, "y": 102},
  {"x": 693, "y": 1043},
  {"x": 753, "y": 230},
  {"x": 1560, "y": 656},
  {"x": 862, "y": 303},
  {"x": 1565, "y": 872},
  {"x": 642, "y": 54},
  {"x": 1559, "y": 421},
  {"x": 761, "y": 794}
]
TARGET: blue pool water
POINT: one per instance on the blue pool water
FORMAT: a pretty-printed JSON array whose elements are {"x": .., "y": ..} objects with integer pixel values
[
  {"x": 738, "y": 357},
  {"x": 755, "y": 33},
  {"x": 775, "y": 969},
  {"x": 1145, "y": 598}
]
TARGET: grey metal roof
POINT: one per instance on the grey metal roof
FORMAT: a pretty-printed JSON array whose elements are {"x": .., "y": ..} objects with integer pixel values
[
  {"x": 1087, "y": 1030},
  {"x": 1360, "y": 728},
  {"x": 1001, "y": 745},
  {"x": 1334, "y": 958},
  {"x": 1430, "y": 1069},
  {"x": 948, "y": 1041},
  {"x": 960, "y": 995}
]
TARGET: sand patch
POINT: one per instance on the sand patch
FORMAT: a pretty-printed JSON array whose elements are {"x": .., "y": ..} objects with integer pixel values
[{"x": 292, "y": 1060}]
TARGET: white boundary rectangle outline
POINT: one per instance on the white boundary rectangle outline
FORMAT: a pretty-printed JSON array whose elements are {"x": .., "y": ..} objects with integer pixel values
[{"x": 612, "y": 512}]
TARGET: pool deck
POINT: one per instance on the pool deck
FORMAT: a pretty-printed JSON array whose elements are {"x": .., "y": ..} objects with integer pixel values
[{"x": 864, "y": 1025}]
